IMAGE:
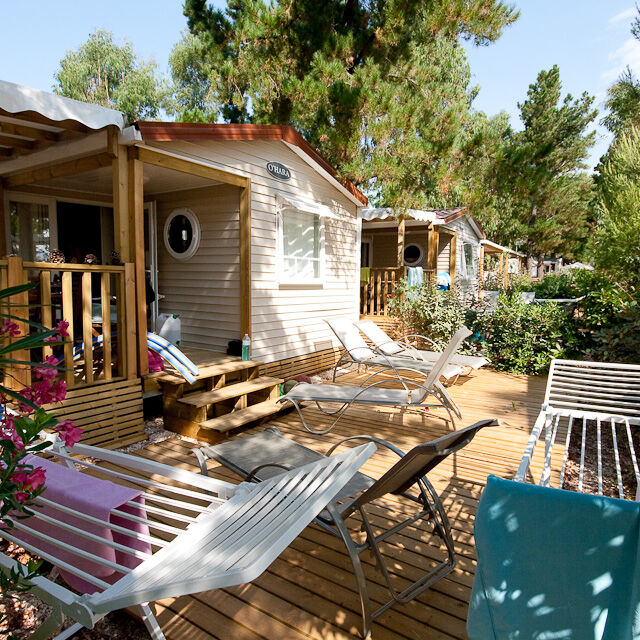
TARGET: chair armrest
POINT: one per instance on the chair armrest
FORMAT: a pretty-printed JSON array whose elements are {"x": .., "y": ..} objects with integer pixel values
[
  {"x": 417, "y": 335},
  {"x": 382, "y": 443}
]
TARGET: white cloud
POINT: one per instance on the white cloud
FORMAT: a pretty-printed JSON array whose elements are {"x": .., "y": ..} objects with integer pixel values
[
  {"x": 628, "y": 55},
  {"x": 627, "y": 14}
]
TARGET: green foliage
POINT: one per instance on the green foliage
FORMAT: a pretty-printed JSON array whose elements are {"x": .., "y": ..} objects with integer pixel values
[
  {"x": 537, "y": 172},
  {"x": 616, "y": 242},
  {"x": 380, "y": 88},
  {"x": 108, "y": 74},
  {"x": 429, "y": 311},
  {"x": 523, "y": 338}
]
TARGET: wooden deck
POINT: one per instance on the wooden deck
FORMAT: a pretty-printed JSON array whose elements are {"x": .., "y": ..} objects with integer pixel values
[{"x": 309, "y": 592}]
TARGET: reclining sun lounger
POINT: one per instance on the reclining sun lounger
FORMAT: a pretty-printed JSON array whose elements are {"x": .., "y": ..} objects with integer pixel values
[
  {"x": 262, "y": 456},
  {"x": 175, "y": 534},
  {"x": 412, "y": 394},
  {"x": 401, "y": 349},
  {"x": 356, "y": 351}
]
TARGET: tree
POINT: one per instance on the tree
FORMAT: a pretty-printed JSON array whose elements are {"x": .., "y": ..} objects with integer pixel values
[
  {"x": 541, "y": 164},
  {"x": 380, "y": 88},
  {"x": 617, "y": 237},
  {"x": 105, "y": 73}
]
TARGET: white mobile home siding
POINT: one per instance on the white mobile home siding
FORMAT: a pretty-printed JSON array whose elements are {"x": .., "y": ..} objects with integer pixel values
[
  {"x": 286, "y": 320},
  {"x": 465, "y": 233}
]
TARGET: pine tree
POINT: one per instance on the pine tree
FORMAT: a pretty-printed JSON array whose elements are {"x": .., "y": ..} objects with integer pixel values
[
  {"x": 380, "y": 87},
  {"x": 540, "y": 167}
]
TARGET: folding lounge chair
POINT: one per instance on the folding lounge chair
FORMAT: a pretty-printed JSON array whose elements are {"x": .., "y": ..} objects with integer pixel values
[
  {"x": 260, "y": 457},
  {"x": 356, "y": 351},
  {"x": 401, "y": 349},
  {"x": 196, "y": 533},
  {"x": 586, "y": 402},
  {"x": 373, "y": 394}
]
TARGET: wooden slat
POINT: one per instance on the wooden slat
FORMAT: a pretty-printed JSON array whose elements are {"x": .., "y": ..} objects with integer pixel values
[
  {"x": 453, "y": 247},
  {"x": 121, "y": 342},
  {"x": 67, "y": 314},
  {"x": 105, "y": 299},
  {"x": 87, "y": 335},
  {"x": 18, "y": 306},
  {"x": 130, "y": 323},
  {"x": 45, "y": 302}
]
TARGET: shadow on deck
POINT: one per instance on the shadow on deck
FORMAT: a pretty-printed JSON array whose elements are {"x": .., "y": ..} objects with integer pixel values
[{"x": 310, "y": 592}]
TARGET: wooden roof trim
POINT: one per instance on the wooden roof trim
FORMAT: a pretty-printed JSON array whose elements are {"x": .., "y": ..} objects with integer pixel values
[{"x": 170, "y": 131}]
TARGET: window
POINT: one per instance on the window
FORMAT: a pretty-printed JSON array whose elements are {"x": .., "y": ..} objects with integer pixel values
[
  {"x": 182, "y": 234},
  {"x": 30, "y": 231},
  {"x": 365, "y": 253},
  {"x": 301, "y": 251},
  {"x": 469, "y": 265},
  {"x": 413, "y": 255}
]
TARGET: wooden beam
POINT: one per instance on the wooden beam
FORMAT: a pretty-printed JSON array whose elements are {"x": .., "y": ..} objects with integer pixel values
[
  {"x": 481, "y": 273},
  {"x": 19, "y": 143},
  {"x": 121, "y": 227},
  {"x": 58, "y": 170},
  {"x": 136, "y": 209},
  {"x": 169, "y": 161},
  {"x": 245, "y": 260},
  {"x": 453, "y": 251},
  {"x": 401, "y": 234},
  {"x": 41, "y": 135}
]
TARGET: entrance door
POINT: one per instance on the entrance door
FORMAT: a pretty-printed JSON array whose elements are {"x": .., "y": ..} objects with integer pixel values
[{"x": 151, "y": 259}]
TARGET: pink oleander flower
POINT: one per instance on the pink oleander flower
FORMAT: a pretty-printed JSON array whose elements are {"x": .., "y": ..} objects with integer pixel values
[
  {"x": 52, "y": 339},
  {"x": 59, "y": 391},
  {"x": 62, "y": 327},
  {"x": 21, "y": 496},
  {"x": 42, "y": 392},
  {"x": 30, "y": 480},
  {"x": 47, "y": 373},
  {"x": 10, "y": 328},
  {"x": 69, "y": 433},
  {"x": 8, "y": 432}
]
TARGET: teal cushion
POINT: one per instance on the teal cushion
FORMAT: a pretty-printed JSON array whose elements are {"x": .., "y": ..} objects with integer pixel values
[{"x": 554, "y": 564}]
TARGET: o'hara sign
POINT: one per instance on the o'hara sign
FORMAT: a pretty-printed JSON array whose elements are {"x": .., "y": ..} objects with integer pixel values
[{"x": 278, "y": 171}]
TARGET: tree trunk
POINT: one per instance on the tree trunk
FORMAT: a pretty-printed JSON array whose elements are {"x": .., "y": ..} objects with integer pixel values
[{"x": 540, "y": 266}]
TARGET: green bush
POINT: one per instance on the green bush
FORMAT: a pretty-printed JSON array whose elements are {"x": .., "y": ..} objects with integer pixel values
[
  {"x": 431, "y": 312},
  {"x": 523, "y": 338}
]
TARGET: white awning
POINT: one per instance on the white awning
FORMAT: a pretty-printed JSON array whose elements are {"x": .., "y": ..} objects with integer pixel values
[
  {"x": 288, "y": 202},
  {"x": 15, "y": 98},
  {"x": 384, "y": 213},
  {"x": 499, "y": 247}
]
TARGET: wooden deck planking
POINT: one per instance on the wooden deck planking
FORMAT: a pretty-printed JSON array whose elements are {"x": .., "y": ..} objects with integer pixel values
[{"x": 309, "y": 592}]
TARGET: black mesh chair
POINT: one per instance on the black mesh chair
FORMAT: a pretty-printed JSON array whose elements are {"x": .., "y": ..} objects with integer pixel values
[{"x": 268, "y": 453}]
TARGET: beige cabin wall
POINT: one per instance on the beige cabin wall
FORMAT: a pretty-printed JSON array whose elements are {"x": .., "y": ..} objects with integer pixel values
[
  {"x": 287, "y": 320},
  {"x": 205, "y": 289},
  {"x": 385, "y": 246}
]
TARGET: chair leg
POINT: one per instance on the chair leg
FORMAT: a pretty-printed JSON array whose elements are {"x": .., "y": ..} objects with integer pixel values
[
  {"x": 357, "y": 569},
  {"x": 50, "y": 626},
  {"x": 150, "y": 622}
]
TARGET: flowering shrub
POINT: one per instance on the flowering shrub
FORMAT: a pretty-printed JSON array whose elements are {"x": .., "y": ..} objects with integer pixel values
[{"x": 20, "y": 427}]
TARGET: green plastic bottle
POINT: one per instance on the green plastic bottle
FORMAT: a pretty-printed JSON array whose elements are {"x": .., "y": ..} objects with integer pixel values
[{"x": 246, "y": 347}]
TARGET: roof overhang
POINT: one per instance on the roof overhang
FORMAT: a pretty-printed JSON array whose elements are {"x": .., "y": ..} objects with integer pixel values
[
  {"x": 171, "y": 131},
  {"x": 494, "y": 247}
]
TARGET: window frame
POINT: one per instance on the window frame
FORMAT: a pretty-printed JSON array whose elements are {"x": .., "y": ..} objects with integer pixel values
[
  {"x": 465, "y": 270},
  {"x": 420, "y": 258},
  {"x": 27, "y": 198},
  {"x": 195, "y": 238},
  {"x": 281, "y": 277}
]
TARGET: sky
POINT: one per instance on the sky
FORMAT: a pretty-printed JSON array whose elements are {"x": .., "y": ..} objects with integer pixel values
[{"x": 588, "y": 39}]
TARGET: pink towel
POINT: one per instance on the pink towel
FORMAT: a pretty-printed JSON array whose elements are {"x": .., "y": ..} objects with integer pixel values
[{"x": 93, "y": 497}]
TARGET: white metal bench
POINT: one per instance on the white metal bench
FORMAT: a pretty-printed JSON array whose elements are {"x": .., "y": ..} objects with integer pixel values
[
  {"x": 597, "y": 403},
  {"x": 204, "y": 533}
]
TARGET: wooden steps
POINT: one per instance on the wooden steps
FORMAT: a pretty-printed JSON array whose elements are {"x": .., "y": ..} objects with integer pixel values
[{"x": 228, "y": 394}]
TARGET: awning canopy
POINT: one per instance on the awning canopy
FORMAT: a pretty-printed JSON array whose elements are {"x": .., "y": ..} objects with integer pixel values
[
  {"x": 288, "y": 202},
  {"x": 494, "y": 247},
  {"x": 15, "y": 99},
  {"x": 385, "y": 213}
]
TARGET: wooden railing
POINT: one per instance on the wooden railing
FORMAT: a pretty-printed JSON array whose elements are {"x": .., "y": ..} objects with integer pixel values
[
  {"x": 377, "y": 290},
  {"x": 97, "y": 301}
]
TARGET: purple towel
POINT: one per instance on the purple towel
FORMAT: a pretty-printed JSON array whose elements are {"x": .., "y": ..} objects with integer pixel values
[{"x": 93, "y": 497}]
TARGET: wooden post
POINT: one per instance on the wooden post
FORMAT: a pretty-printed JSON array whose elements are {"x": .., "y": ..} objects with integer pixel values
[
  {"x": 401, "y": 234},
  {"x": 130, "y": 322},
  {"x": 3, "y": 223},
  {"x": 18, "y": 306},
  {"x": 245, "y": 259},
  {"x": 136, "y": 210},
  {"x": 105, "y": 304},
  {"x": 121, "y": 227},
  {"x": 453, "y": 251},
  {"x": 87, "y": 335},
  {"x": 67, "y": 314},
  {"x": 505, "y": 273},
  {"x": 45, "y": 302},
  {"x": 432, "y": 251}
]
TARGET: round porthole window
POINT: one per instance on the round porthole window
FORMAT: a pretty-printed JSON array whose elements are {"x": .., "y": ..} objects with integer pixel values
[
  {"x": 413, "y": 254},
  {"x": 182, "y": 233}
]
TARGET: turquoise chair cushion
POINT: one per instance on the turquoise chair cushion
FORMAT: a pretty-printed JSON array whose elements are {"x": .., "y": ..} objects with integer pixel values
[{"x": 554, "y": 565}]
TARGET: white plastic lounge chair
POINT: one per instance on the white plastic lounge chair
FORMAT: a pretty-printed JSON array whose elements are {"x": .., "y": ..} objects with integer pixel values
[
  {"x": 589, "y": 401},
  {"x": 202, "y": 533},
  {"x": 412, "y": 394},
  {"x": 402, "y": 349},
  {"x": 261, "y": 456},
  {"x": 356, "y": 351}
]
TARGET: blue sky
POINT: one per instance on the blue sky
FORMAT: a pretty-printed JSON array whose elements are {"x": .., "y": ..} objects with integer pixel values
[{"x": 588, "y": 39}]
